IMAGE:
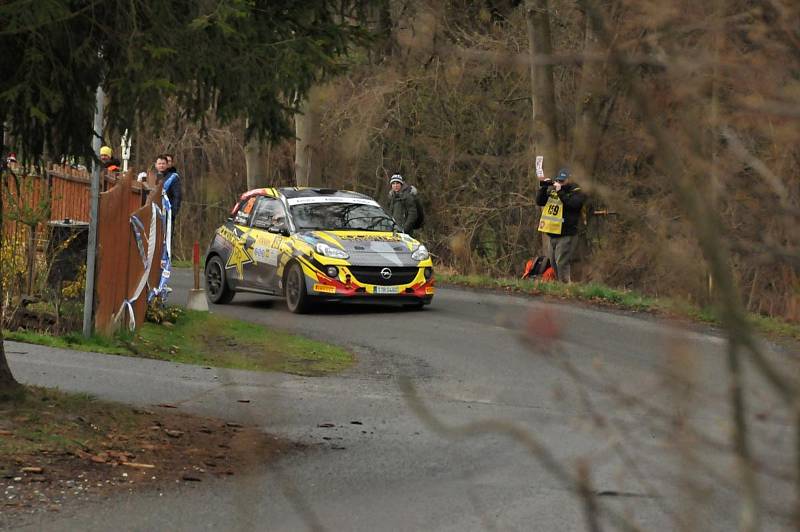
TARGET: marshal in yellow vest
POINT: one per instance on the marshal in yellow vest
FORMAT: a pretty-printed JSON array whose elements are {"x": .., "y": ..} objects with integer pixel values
[{"x": 552, "y": 219}]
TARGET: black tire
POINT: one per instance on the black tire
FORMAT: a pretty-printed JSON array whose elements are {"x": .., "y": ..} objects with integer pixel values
[
  {"x": 294, "y": 283},
  {"x": 217, "y": 288}
]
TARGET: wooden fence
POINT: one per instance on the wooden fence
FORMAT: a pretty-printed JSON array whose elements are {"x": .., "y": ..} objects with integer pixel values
[
  {"x": 120, "y": 262},
  {"x": 64, "y": 193}
]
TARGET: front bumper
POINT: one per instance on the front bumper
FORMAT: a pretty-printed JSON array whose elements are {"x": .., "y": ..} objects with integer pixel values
[
  {"x": 375, "y": 299},
  {"x": 347, "y": 286}
]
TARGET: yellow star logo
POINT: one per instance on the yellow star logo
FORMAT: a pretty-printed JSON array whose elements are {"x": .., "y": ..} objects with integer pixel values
[{"x": 238, "y": 258}]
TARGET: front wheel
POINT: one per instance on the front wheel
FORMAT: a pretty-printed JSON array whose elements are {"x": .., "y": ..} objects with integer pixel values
[
  {"x": 217, "y": 283},
  {"x": 297, "y": 299}
]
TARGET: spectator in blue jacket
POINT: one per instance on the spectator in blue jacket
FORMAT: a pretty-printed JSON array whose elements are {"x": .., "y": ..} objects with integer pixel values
[{"x": 168, "y": 175}]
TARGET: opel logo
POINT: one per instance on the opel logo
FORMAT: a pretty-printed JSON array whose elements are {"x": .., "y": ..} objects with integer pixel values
[{"x": 386, "y": 273}]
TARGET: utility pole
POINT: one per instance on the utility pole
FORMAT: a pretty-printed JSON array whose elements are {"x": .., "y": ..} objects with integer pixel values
[{"x": 91, "y": 252}]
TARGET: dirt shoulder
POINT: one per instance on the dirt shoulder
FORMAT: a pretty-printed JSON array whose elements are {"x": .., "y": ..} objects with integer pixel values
[{"x": 58, "y": 450}]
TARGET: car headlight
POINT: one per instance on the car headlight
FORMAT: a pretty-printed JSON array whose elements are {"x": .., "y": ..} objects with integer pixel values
[
  {"x": 330, "y": 251},
  {"x": 421, "y": 253}
]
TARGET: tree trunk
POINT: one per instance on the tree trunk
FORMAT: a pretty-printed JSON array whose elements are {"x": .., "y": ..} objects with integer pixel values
[
  {"x": 387, "y": 44},
  {"x": 7, "y": 382},
  {"x": 543, "y": 99},
  {"x": 589, "y": 102},
  {"x": 254, "y": 161},
  {"x": 307, "y": 162}
]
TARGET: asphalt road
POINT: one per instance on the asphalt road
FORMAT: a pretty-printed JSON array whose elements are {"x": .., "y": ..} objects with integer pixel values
[{"x": 641, "y": 404}]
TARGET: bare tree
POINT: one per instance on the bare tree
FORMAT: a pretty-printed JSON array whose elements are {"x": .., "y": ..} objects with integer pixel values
[
  {"x": 545, "y": 132},
  {"x": 307, "y": 160},
  {"x": 254, "y": 149}
]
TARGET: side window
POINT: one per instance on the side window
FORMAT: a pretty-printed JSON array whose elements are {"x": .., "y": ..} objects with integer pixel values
[
  {"x": 245, "y": 212},
  {"x": 268, "y": 212}
]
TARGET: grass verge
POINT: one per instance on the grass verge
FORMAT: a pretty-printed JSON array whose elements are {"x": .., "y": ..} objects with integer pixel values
[
  {"x": 58, "y": 449},
  {"x": 620, "y": 299},
  {"x": 40, "y": 420},
  {"x": 211, "y": 340}
]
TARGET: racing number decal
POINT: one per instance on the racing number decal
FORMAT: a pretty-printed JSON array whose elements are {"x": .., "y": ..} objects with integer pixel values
[{"x": 552, "y": 220}]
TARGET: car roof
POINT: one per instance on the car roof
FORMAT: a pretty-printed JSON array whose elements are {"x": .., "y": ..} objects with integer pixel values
[
  {"x": 302, "y": 192},
  {"x": 296, "y": 192},
  {"x": 309, "y": 192}
]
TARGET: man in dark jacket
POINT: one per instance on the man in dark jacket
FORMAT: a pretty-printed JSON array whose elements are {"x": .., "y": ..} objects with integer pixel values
[
  {"x": 167, "y": 174},
  {"x": 402, "y": 204},
  {"x": 562, "y": 201}
]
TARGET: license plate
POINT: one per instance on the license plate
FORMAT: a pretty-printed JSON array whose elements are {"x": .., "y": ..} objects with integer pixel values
[{"x": 385, "y": 290}]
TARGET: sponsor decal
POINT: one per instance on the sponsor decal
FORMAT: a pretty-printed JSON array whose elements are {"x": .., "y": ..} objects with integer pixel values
[
  {"x": 260, "y": 254},
  {"x": 231, "y": 235},
  {"x": 237, "y": 259},
  {"x": 324, "y": 288},
  {"x": 331, "y": 199},
  {"x": 369, "y": 237},
  {"x": 272, "y": 257}
]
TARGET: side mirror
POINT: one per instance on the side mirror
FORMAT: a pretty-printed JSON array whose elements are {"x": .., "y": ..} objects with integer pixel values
[{"x": 279, "y": 229}]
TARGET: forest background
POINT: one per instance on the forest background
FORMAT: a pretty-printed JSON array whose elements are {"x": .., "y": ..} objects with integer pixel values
[
  {"x": 445, "y": 100},
  {"x": 443, "y": 95}
]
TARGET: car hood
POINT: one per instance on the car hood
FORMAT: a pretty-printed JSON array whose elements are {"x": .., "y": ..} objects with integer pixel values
[{"x": 368, "y": 247}]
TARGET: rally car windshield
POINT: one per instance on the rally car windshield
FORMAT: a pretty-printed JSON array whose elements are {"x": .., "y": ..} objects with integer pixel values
[{"x": 341, "y": 216}]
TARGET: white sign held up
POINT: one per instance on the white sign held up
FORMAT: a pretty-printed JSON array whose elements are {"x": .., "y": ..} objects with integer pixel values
[{"x": 539, "y": 166}]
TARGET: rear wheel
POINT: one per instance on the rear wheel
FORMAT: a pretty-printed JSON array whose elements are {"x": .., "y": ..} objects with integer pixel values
[
  {"x": 217, "y": 283},
  {"x": 297, "y": 299}
]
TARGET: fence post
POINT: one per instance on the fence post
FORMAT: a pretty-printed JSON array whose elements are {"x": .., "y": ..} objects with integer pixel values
[
  {"x": 91, "y": 253},
  {"x": 196, "y": 264},
  {"x": 31, "y": 258}
]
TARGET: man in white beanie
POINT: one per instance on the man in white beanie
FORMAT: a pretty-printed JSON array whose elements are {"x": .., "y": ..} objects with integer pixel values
[{"x": 403, "y": 204}]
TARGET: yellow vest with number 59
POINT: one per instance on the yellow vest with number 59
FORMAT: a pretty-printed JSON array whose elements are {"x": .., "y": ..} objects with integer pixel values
[{"x": 552, "y": 218}]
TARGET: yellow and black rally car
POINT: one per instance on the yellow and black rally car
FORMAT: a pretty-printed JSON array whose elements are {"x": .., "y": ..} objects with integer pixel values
[{"x": 315, "y": 244}]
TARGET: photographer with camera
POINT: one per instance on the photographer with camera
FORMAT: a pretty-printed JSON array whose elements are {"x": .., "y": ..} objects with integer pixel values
[{"x": 562, "y": 201}]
